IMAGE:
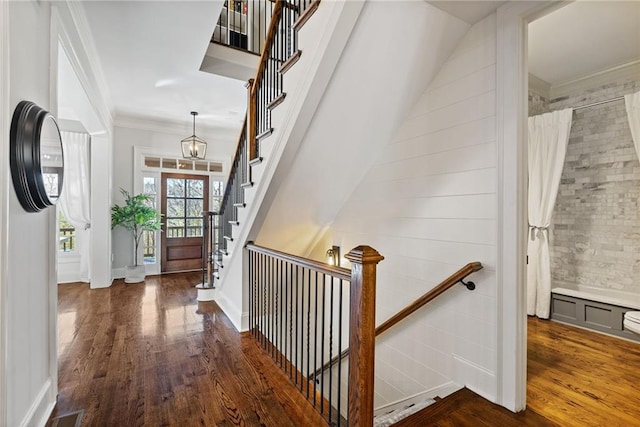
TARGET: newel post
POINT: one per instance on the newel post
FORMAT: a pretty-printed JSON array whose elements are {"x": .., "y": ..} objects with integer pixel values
[{"x": 362, "y": 334}]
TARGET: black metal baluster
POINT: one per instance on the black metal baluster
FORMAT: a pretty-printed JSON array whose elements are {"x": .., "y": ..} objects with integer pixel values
[
  {"x": 272, "y": 310},
  {"x": 330, "y": 347},
  {"x": 301, "y": 365},
  {"x": 251, "y": 291},
  {"x": 278, "y": 336},
  {"x": 308, "y": 329},
  {"x": 285, "y": 324},
  {"x": 322, "y": 337},
  {"x": 295, "y": 325},
  {"x": 265, "y": 299},
  {"x": 282, "y": 347},
  {"x": 339, "y": 417},
  {"x": 291, "y": 365},
  {"x": 315, "y": 340}
]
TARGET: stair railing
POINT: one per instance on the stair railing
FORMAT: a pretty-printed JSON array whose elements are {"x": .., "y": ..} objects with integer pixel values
[
  {"x": 279, "y": 53},
  {"x": 297, "y": 313},
  {"x": 456, "y": 278},
  {"x": 242, "y": 24}
]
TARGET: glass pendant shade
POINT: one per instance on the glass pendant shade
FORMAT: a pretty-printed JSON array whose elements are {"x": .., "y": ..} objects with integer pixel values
[{"x": 194, "y": 147}]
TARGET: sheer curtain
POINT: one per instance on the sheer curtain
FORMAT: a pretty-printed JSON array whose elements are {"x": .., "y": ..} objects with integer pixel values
[
  {"x": 76, "y": 197},
  {"x": 548, "y": 138},
  {"x": 632, "y": 102}
]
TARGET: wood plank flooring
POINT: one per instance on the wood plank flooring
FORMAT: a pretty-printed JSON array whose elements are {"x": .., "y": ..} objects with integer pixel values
[
  {"x": 576, "y": 378},
  {"x": 582, "y": 378},
  {"x": 150, "y": 355}
]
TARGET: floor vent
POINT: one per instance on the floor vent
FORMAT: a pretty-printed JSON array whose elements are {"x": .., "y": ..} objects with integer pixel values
[
  {"x": 69, "y": 420},
  {"x": 390, "y": 418}
]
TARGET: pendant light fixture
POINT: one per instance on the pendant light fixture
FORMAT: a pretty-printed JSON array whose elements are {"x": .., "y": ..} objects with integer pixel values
[{"x": 192, "y": 146}]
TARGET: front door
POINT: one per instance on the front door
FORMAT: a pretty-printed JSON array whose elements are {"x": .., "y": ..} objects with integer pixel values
[{"x": 184, "y": 198}]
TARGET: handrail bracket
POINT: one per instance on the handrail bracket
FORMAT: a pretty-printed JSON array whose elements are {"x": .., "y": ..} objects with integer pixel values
[{"x": 470, "y": 285}]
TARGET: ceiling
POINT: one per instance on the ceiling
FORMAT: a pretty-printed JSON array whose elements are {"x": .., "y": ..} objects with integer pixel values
[
  {"x": 583, "y": 38},
  {"x": 468, "y": 11},
  {"x": 151, "y": 51}
]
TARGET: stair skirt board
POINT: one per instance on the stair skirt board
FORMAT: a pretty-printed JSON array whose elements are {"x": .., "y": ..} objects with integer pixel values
[{"x": 441, "y": 391}]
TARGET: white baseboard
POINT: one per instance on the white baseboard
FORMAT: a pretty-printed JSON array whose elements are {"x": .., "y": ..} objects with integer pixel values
[
  {"x": 441, "y": 391},
  {"x": 233, "y": 313},
  {"x": 476, "y": 378},
  {"x": 41, "y": 408}
]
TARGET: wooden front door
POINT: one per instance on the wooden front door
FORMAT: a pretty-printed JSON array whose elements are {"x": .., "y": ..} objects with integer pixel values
[{"x": 184, "y": 198}]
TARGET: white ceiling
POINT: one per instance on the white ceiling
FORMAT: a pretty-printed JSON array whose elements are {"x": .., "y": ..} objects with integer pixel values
[
  {"x": 151, "y": 52},
  {"x": 468, "y": 11},
  {"x": 583, "y": 38}
]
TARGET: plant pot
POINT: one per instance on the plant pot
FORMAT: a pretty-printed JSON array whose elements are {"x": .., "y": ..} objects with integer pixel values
[{"x": 135, "y": 274}]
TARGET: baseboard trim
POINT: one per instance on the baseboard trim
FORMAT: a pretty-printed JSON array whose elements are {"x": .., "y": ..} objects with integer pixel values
[
  {"x": 441, "y": 391},
  {"x": 230, "y": 309},
  {"x": 42, "y": 407}
]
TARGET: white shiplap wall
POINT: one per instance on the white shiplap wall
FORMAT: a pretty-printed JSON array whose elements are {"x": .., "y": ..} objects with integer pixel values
[{"x": 429, "y": 206}]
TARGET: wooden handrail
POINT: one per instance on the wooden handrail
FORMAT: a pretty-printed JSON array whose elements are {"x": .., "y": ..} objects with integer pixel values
[
  {"x": 447, "y": 283},
  {"x": 337, "y": 272}
]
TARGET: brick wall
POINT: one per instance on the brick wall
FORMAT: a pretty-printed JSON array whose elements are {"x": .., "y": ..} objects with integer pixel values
[{"x": 595, "y": 235}]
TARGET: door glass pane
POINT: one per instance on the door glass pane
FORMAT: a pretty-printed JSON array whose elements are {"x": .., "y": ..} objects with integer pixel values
[
  {"x": 194, "y": 207},
  {"x": 175, "y": 187},
  {"x": 194, "y": 228},
  {"x": 195, "y": 188},
  {"x": 175, "y": 208},
  {"x": 175, "y": 228}
]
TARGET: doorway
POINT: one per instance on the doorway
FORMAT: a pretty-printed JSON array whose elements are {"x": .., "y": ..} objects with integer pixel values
[
  {"x": 574, "y": 69},
  {"x": 183, "y": 200}
]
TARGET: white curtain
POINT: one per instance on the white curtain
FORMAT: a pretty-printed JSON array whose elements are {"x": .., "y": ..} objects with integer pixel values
[
  {"x": 76, "y": 196},
  {"x": 632, "y": 102},
  {"x": 548, "y": 138}
]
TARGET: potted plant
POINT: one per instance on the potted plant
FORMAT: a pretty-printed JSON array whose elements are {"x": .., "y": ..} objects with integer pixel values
[{"x": 136, "y": 215}]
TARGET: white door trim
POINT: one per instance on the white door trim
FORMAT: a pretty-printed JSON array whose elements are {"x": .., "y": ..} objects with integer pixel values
[{"x": 511, "y": 114}]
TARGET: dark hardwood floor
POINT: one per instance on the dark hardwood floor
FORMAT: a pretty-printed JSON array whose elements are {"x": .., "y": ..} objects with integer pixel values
[
  {"x": 150, "y": 355},
  {"x": 582, "y": 378}
]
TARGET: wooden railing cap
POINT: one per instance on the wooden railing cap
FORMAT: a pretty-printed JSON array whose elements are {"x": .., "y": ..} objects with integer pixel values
[{"x": 364, "y": 254}]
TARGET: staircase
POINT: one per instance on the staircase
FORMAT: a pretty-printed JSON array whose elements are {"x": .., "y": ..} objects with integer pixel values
[
  {"x": 272, "y": 167},
  {"x": 306, "y": 41}
]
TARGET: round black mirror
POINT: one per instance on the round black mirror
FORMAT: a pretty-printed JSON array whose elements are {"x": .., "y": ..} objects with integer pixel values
[{"x": 37, "y": 160}]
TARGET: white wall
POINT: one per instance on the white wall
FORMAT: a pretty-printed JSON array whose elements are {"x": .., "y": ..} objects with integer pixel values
[
  {"x": 164, "y": 139},
  {"x": 31, "y": 379},
  {"x": 394, "y": 51},
  {"x": 428, "y": 205}
]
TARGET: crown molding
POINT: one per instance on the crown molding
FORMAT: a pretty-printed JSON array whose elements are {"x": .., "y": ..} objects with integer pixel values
[
  {"x": 77, "y": 42},
  {"x": 629, "y": 70},
  {"x": 539, "y": 86}
]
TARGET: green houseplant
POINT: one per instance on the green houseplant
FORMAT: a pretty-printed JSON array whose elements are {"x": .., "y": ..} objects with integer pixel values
[{"x": 136, "y": 215}]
